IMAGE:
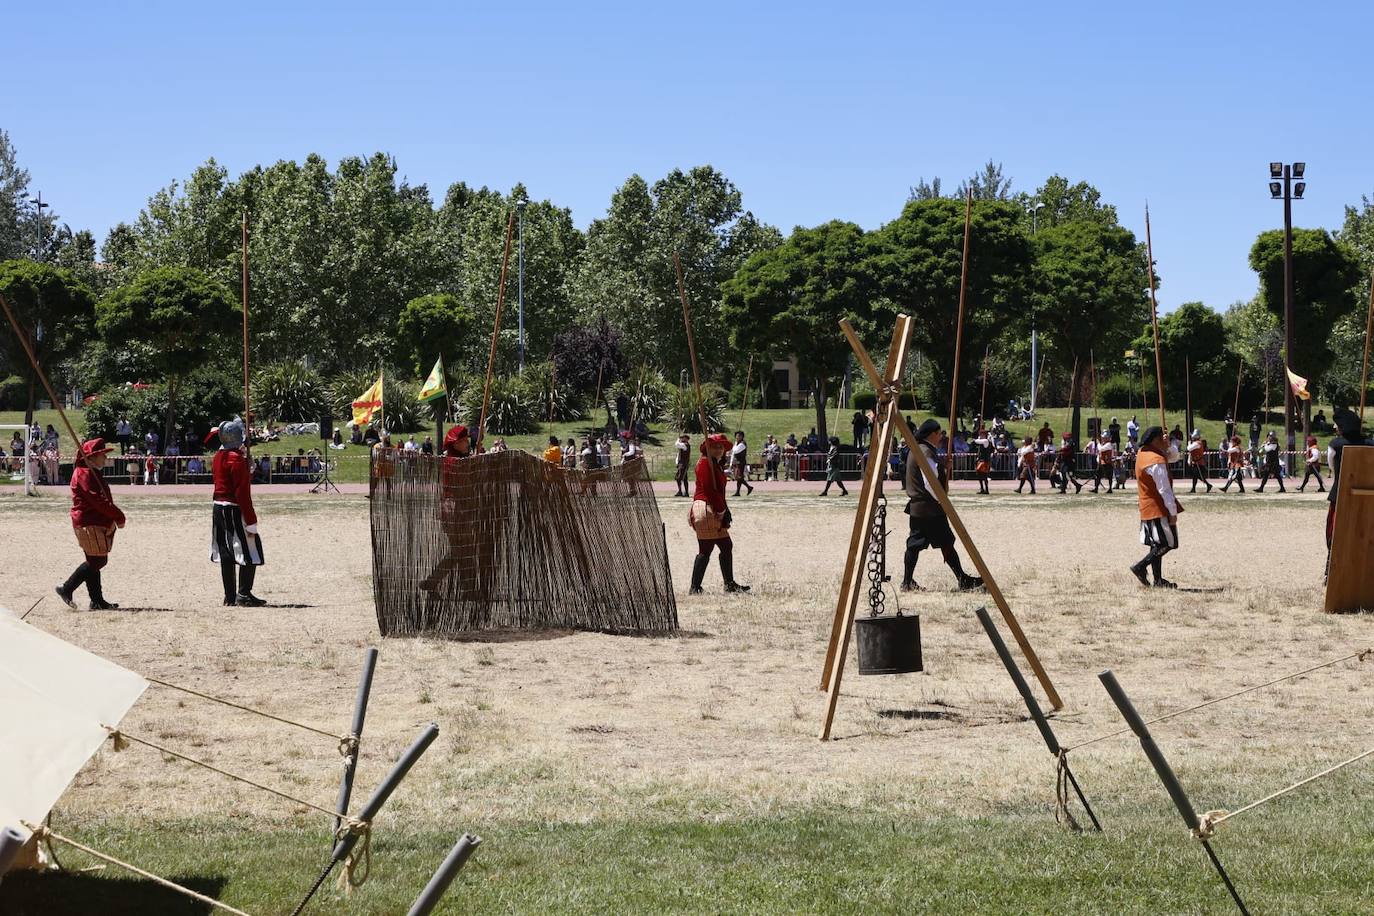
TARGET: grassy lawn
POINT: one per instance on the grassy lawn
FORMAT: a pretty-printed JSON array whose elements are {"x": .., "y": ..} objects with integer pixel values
[{"x": 1289, "y": 858}]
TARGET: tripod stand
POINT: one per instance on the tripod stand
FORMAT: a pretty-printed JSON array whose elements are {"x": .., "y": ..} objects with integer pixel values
[{"x": 325, "y": 484}]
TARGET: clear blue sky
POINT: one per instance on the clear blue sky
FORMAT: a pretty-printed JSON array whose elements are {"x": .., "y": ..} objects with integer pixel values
[{"x": 815, "y": 111}]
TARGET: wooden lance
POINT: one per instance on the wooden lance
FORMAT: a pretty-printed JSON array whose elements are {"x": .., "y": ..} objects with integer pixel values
[
  {"x": 1154, "y": 318},
  {"x": 691, "y": 342},
  {"x": 495, "y": 331},
  {"x": 959, "y": 337}
]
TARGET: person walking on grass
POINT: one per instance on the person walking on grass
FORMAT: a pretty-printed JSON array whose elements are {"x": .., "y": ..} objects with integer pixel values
[
  {"x": 1235, "y": 466},
  {"x": 1270, "y": 463},
  {"x": 832, "y": 470},
  {"x": 1314, "y": 466},
  {"x": 739, "y": 463},
  {"x": 1159, "y": 509},
  {"x": 95, "y": 518},
  {"x": 1026, "y": 465},
  {"x": 1197, "y": 461},
  {"x": 710, "y": 517},
  {"x": 928, "y": 525}
]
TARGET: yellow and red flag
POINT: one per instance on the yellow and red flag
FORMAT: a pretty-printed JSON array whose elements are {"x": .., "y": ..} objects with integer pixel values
[
  {"x": 1298, "y": 384},
  {"x": 368, "y": 403}
]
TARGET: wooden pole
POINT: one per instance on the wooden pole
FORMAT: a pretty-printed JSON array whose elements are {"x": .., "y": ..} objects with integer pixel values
[
  {"x": 22, "y": 334},
  {"x": 1368, "y": 328},
  {"x": 248, "y": 403},
  {"x": 1188, "y": 394},
  {"x": 1092, "y": 373},
  {"x": 1235, "y": 411},
  {"x": 691, "y": 342},
  {"x": 983, "y": 401},
  {"x": 861, "y": 534},
  {"x": 1144, "y": 389},
  {"x": 933, "y": 484},
  {"x": 959, "y": 336},
  {"x": 1073, "y": 392},
  {"x": 1035, "y": 396},
  {"x": 744, "y": 404},
  {"x": 495, "y": 330},
  {"x": 1154, "y": 319}
]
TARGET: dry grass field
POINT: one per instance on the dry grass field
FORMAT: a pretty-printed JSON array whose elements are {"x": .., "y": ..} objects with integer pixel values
[{"x": 715, "y": 728}]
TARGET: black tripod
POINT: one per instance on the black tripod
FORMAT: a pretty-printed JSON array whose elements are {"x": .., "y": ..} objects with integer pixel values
[{"x": 324, "y": 485}]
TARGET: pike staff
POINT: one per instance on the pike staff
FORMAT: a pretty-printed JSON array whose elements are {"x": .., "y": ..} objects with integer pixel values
[{"x": 959, "y": 335}]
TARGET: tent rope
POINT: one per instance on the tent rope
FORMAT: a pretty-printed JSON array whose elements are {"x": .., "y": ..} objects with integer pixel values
[
  {"x": 1361, "y": 655},
  {"x": 358, "y": 866},
  {"x": 46, "y": 834},
  {"x": 256, "y": 712},
  {"x": 1210, "y": 821},
  {"x": 1062, "y": 814},
  {"x": 122, "y": 738}
]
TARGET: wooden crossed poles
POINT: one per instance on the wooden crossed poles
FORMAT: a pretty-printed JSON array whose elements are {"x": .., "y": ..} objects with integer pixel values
[{"x": 888, "y": 387}]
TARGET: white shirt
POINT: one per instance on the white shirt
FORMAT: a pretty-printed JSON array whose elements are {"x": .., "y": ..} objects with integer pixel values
[{"x": 739, "y": 449}]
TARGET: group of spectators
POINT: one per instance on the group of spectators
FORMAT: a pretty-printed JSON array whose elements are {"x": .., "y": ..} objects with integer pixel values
[{"x": 41, "y": 448}]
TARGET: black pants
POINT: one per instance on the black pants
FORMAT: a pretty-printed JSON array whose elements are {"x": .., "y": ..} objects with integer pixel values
[
  {"x": 89, "y": 573},
  {"x": 1197, "y": 473},
  {"x": 1266, "y": 474},
  {"x": 1235, "y": 476},
  {"x": 1026, "y": 475},
  {"x": 1101, "y": 472},
  {"x": 1313, "y": 471}
]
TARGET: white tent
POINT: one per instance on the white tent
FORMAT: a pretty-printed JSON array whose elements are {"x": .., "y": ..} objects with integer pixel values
[{"x": 55, "y": 701}]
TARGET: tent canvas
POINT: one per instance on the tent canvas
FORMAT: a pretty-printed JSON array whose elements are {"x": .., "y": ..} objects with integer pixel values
[{"x": 55, "y": 701}]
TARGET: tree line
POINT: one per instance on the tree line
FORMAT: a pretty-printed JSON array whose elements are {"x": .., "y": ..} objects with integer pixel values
[{"x": 353, "y": 269}]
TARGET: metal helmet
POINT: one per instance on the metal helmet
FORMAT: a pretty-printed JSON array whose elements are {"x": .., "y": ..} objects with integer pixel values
[{"x": 231, "y": 433}]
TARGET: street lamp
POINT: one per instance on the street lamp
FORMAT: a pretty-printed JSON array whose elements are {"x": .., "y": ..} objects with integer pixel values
[
  {"x": 1281, "y": 187},
  {"x": 1035, "y": 341},
  {"x": 38, "y": 202},
  {"x": 520, "y": 283}
]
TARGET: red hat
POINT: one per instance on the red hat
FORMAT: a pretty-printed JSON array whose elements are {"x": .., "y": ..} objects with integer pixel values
[
  {"x": 715, "y": 439},
  {"x": 91, "y": 447},
  {"x": 452, "y": 437}
]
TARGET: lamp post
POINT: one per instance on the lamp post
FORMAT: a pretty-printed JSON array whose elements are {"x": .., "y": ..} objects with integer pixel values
[
  {"x": 1282, "y": 187},
  {"x": 520, "y": 282},
  {"x": 38, "y": 203},
  {"x": 1035, "y": 341}
]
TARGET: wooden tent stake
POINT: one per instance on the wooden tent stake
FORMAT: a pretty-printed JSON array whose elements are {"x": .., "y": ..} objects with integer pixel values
[
  {"x": 959, "y": 337},
  {"x": 861, "y": 535},
  {"x": 495, "y": 332},
  {"x": 691, "y": 343}
]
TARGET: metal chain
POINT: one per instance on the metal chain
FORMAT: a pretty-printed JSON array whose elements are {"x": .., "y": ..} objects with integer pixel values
[{"x": 877, "y": 559}]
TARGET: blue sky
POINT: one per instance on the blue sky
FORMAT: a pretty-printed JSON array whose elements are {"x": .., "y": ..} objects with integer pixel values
[{"x": 815, "y": 111}]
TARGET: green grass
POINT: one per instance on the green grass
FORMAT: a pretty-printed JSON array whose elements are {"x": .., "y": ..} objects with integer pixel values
[
  {"x": 1294, "y": 857},
  {"x": 757, "y": 426}
]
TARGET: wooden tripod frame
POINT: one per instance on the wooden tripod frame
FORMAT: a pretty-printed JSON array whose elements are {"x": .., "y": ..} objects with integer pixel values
[{"x": 888, "y": 386}]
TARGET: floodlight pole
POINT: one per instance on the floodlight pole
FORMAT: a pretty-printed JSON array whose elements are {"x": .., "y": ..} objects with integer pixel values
[{"x": 1288, "y": 302}]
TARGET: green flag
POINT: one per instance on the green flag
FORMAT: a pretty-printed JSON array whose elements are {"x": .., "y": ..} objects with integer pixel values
[{"x": 434, "y": 386}]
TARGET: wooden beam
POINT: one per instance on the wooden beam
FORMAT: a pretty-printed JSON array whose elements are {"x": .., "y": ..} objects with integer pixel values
[
  {"x": 933, "y": 483},
  {"x": 861, "y": 536}
]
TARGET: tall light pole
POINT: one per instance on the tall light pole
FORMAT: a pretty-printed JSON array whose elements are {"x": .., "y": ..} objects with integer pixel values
[
  {"x": 1035, "y": 342},
  {"x": 1281, "y": 187},
  {"x": 520, "y": 282},
  {"x": 38, "y": 202}
]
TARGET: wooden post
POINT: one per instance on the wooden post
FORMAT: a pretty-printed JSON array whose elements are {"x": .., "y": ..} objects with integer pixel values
[
  {"x": 1035, "y": 397},
  {"x": 1154, "y": 319},
  {"x": 22, "y": 334},
  {"x": 495, "y": 330},
  {"x": 744, "y": 404},
  {"x": 959, "y": 337},
  {"x": 1368, "y": 327},
  {"x": 691, "y": 343},
  {"x": 933, "y": 484},
  {"x": 861, "y": 534},
  {"x": 1092, "y": 373},
  {"x": 1144, "y": 389},
  {"x": 1188, "y": 394},
  {"x": 1235, "y": 411},
  {"x": 983, "y": 401}
]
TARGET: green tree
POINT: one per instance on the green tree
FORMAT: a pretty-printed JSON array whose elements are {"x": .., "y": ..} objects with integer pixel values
[
  {"x": 1090, "y": 294},
  {"x": 54, "y": 308},
  {"x": 1192, "y": 342},
  {"x": 21, "y": 221},
  {"x": 182, "y": 314},
  {"x": 627, "y": 271},
  {"x": 1325, "y": 271},
  {"x": 1357, "y": 235},
  {"x": 1066, "y": 203},
  {"x": 789, "y": 300},
  {"x": 1253, "y": 333},
  {"x": 432, "y": 326},
  {"x": 917, "y": 262}
]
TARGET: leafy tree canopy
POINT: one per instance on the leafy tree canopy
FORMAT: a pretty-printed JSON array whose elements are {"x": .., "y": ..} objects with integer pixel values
[
  {"x": 433, "y": 326},
  {"x": 1324, "y": 273},
  {"x": 56, "y": 310}
]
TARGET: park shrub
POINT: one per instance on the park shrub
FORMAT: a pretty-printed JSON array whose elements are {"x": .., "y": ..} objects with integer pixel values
[
  {"x": 288, "y": 392},
  {"x": 205, "y": 398},
  {"x": 682, "y": 412},
  {"x": 557, "y": 403},
  {"x": 1119, "y": 391},
  {"x": 648, "y": 392},
  {"x": 14, "y": 393},
  {"x": 513, "y": 408}
]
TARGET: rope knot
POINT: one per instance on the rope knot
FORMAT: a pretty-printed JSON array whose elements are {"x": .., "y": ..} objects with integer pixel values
[
  {"x": 1062, "y": 814},
  {"x": 348, "y": 747},
  {"x": 117, "y": 739},
  {"x": 1366, "y": 653},
  {"x": 1207, "y": 824},
  {"x": 358, "y": 866},
  {"x": 887, "y": 392}
]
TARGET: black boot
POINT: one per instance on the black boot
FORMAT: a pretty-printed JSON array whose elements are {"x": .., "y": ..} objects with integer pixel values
[
  {"x": 1138, "y": 570},
  {"x": 909, "y": 571},
  {"x": 227, "y": 577},
  {"x": 68, "y": 588},
  {"x": 727, "y": 572},
  {"x": 245, "y": 596},
  {"x": 698, "y": 573},
  {"x": 97, "y": 593}
]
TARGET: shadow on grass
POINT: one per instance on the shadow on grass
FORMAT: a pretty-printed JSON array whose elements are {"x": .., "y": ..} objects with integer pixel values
[{"x": 55, "y": 893}]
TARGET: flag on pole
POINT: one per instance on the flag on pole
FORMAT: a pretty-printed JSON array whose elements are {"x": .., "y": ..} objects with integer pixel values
[
  {"x": 368, "y": 403},
  {"x": 1299, "y": 385},
  {"x": 434, "y": 386}
]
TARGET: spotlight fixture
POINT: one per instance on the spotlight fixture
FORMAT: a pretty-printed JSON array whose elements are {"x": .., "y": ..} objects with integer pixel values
[
  {"x": 1276, "y": 170},
  {"x": 1298, "y": 188},
  {"x": 1299, "y": 168},
  {"x": 1275, "y": 189}
]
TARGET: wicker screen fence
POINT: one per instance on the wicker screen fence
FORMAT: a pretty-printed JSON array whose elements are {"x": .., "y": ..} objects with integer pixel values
[{"x": 506, "y": 540}]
